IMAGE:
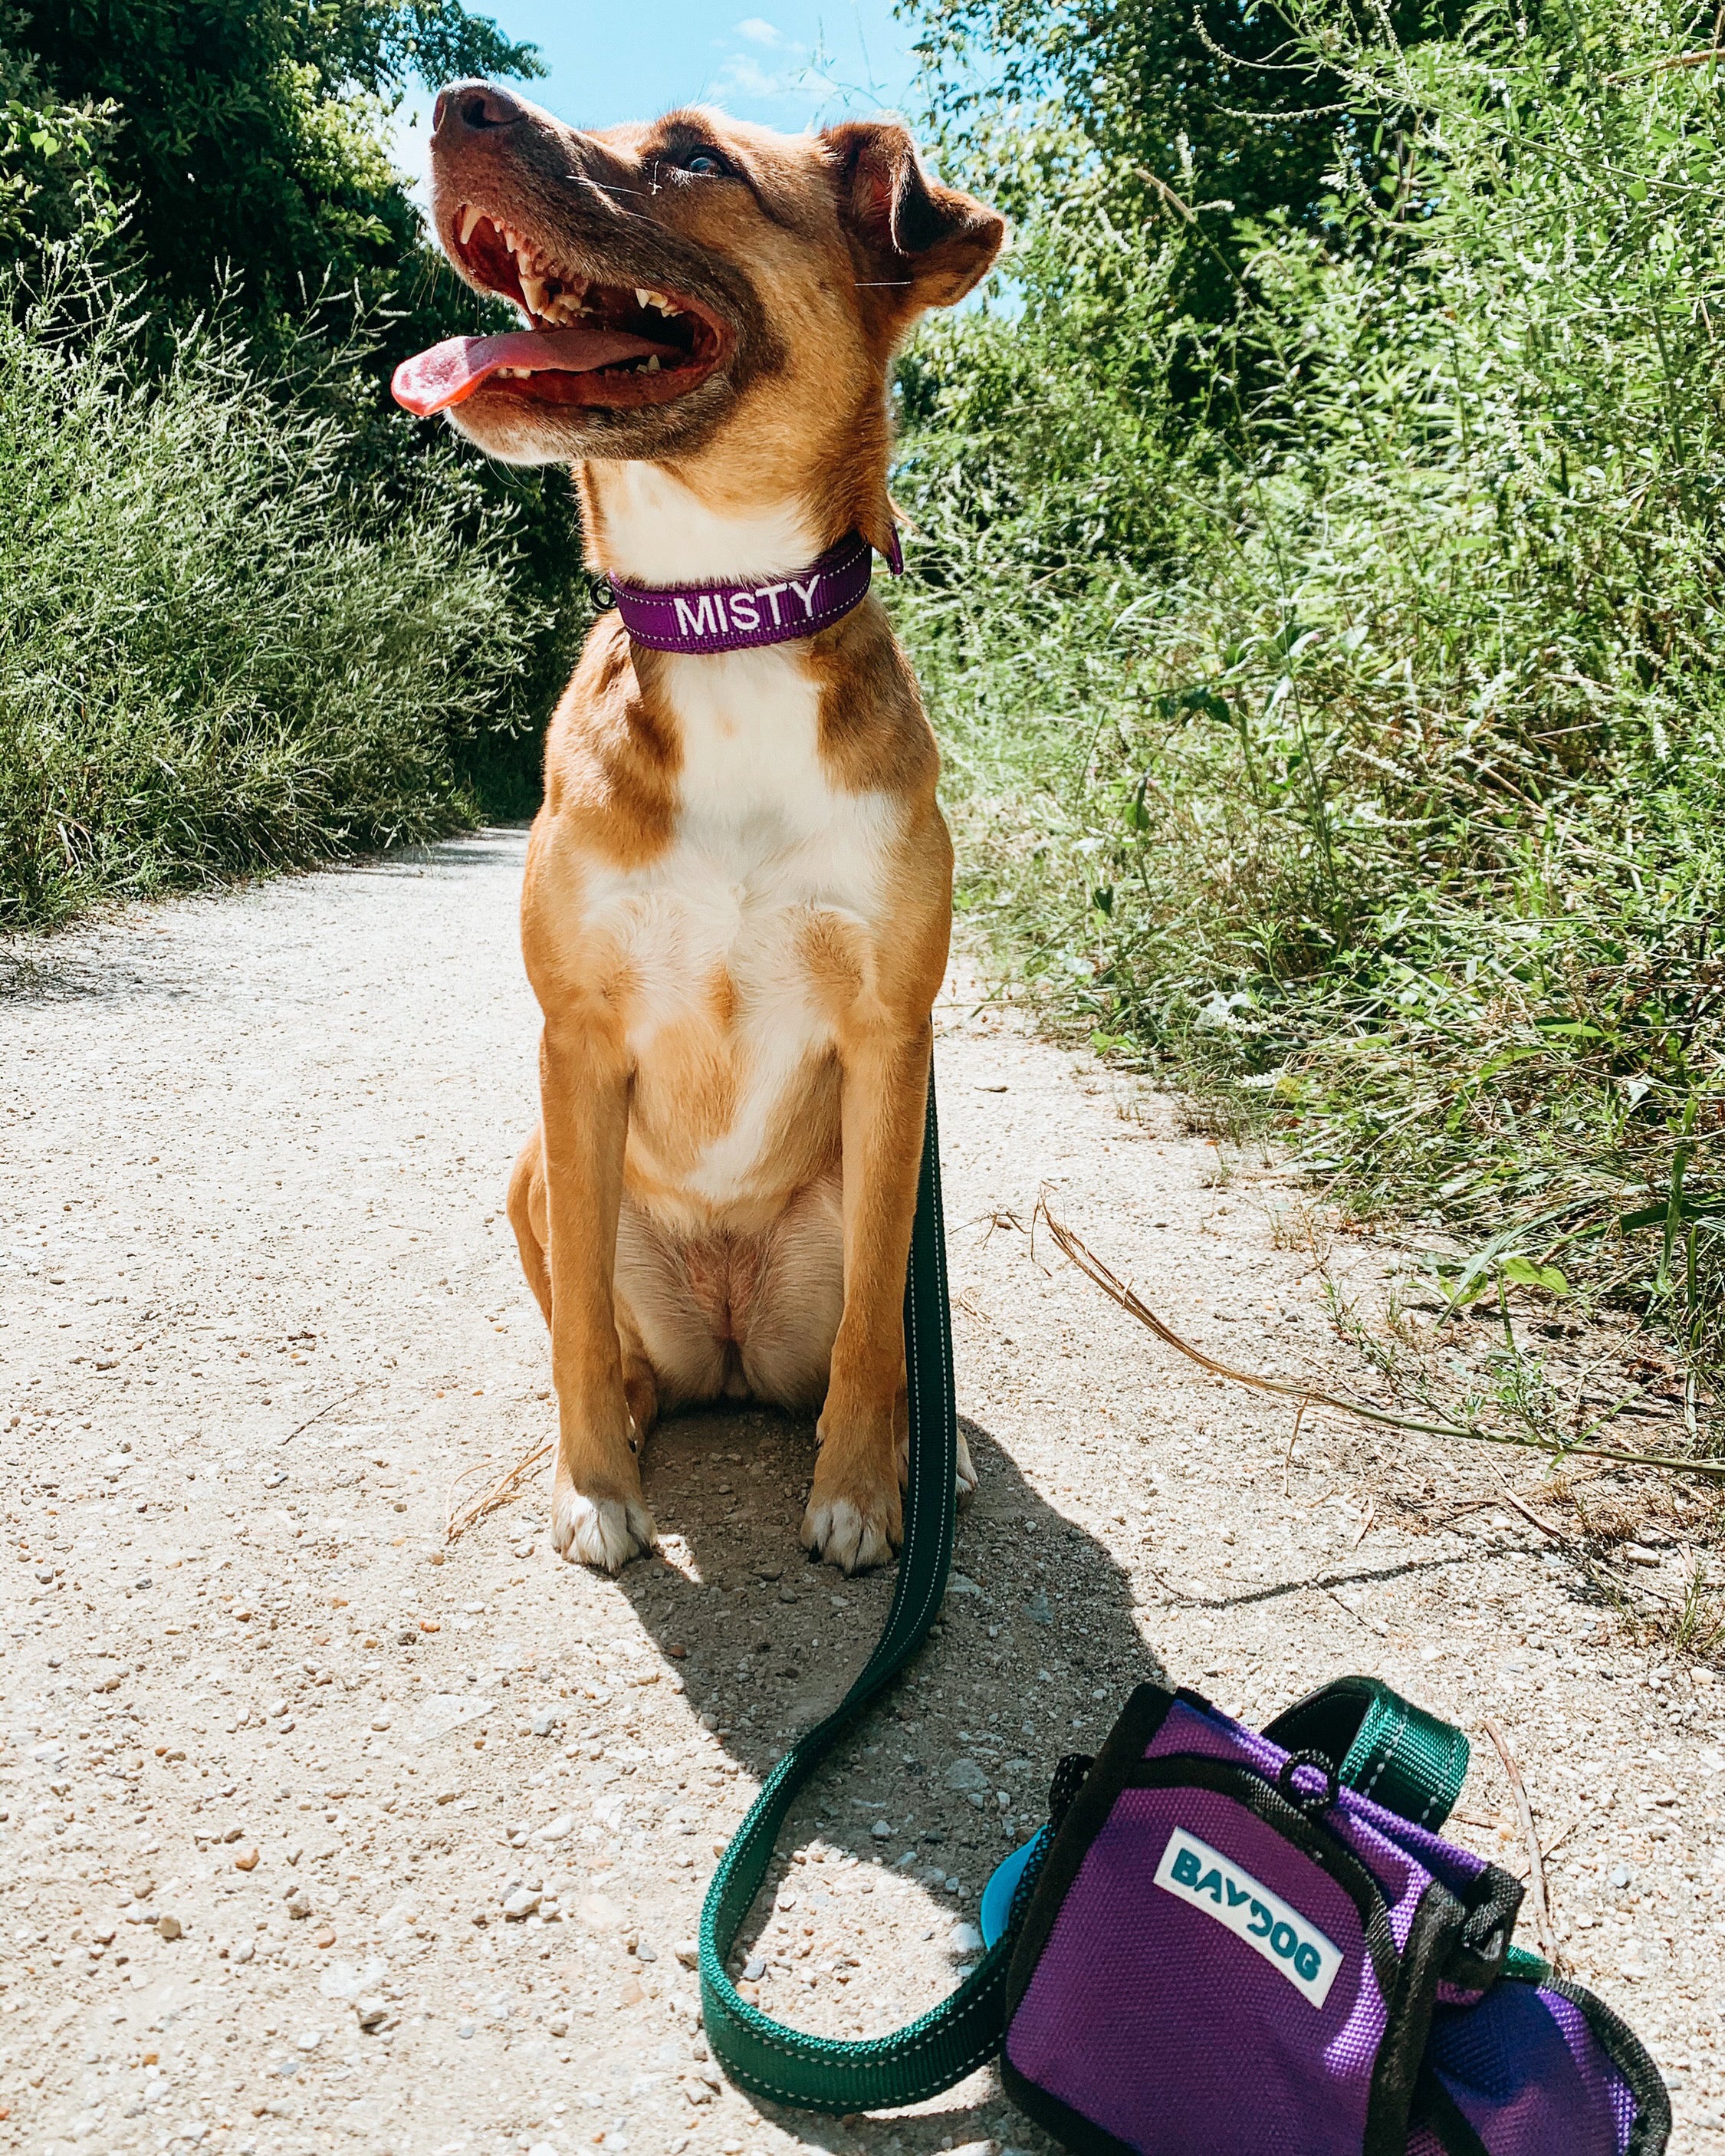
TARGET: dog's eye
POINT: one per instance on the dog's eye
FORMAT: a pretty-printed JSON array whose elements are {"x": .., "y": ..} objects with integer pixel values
[{"x": 701, "y": 162}]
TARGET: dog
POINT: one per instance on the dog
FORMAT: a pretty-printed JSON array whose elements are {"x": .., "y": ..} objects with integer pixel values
[{"x": 737, "y": 897}]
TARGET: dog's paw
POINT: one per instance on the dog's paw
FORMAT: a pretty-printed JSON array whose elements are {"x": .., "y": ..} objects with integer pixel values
[
  {"x": 967, "y": 1468},
  {"x": 603, "y": 1531},
  {"x": 851, "y": 1530}
]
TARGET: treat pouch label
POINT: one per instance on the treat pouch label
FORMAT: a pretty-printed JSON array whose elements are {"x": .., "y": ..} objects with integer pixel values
[{"x": 1193, "y": 1871}]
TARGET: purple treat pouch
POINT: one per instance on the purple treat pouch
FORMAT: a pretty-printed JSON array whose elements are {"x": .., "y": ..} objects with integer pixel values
[{"x": 1226, "y": 1950}]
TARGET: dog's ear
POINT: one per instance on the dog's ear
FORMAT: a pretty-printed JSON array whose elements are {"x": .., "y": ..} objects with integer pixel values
[{"x": 914, "y": 242}]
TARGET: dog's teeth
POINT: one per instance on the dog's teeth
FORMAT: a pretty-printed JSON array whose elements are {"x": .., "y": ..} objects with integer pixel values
[
  {"x": 463, "y": 230},
  {"x": 652, "y": 366},
  {"x": 533, "y": 291}
]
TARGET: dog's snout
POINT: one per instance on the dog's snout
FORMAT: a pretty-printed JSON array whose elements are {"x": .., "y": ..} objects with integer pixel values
[{"x": 474, "y": 108}]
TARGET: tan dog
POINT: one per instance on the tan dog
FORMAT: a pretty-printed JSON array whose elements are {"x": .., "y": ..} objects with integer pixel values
[{"x": 738, "y": 892}]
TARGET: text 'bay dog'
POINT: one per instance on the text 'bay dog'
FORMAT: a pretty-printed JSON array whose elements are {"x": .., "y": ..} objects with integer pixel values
[{"x": 739, "y": 891}]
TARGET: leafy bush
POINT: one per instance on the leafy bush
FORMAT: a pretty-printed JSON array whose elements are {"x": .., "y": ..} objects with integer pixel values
[
  {"x": 224, "y": 652},
  {"x": 1332, "y": 688}
]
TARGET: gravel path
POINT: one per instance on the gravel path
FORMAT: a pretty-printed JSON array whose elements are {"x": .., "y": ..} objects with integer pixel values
[{"x": 318, "y": 1835}]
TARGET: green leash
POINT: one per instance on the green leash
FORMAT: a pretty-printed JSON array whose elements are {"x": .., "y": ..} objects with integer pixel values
[
  {"x": 1390, "y": 1749},
  {"x": 820, "y": 2073}
]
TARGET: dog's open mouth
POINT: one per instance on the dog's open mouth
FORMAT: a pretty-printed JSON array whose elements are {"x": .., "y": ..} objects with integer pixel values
[{"x": 591, "y": 343}]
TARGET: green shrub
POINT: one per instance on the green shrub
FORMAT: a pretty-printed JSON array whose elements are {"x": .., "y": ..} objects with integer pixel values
[
  {"x": 1332, "y": 693},
  {"x": 222, "y": 651}
]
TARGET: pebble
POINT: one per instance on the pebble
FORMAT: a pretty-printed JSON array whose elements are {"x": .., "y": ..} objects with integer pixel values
[
  {"x": 880, "y": 1830},
  {"x": 371, "y": 2013},
  {"x": 170, "y": 1927},
  {"x": 520, "y": 1903}
]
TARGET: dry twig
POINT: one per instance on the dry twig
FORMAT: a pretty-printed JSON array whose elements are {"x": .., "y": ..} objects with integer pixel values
[
  {"x": 1309, "y": 1396},
  {"x": 460, "y": 1513},
  {"x": 1543, "y": 1929}
]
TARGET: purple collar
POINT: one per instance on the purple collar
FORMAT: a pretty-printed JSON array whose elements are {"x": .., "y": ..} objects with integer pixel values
[{"x": 708, "y": 618}]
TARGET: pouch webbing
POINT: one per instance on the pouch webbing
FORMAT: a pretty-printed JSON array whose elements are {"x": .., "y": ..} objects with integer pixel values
[
  {"x": 1409, "y": 1758},
  {"x": 1385, "y": 1747}
]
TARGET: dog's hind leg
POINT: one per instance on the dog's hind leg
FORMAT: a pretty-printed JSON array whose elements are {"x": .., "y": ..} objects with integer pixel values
[{"x": 527, "y": 1217}]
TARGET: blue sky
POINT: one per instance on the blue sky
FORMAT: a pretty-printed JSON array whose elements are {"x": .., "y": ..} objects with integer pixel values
[{"x": 794, "y": 64}]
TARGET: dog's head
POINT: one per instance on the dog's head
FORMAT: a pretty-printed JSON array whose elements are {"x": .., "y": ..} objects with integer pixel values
[{"x": 694, "y": 288}]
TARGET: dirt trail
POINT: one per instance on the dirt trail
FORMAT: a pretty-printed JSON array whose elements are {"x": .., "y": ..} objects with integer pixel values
[{"x": 275, "y": 1762}]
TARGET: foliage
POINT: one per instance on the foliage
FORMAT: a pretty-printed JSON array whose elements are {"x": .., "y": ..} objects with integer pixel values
[
  {"x": 1340, "y": 728},
  {"x": 226, "y": 649},
  {"x": 52, "y": 182},
  {"x": 246, "y": 137},
  {"x": 228, "y": 164},
  {"x": 1172, "y": 102}
]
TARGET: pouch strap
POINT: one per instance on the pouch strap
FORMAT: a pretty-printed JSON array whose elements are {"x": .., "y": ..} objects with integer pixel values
[{"x": 1384, "y": 1746}]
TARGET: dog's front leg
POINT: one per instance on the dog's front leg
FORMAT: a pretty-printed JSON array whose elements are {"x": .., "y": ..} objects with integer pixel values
[
  {"x": 855, "y": 1511},
  {"x": 596, "y": 1512}
]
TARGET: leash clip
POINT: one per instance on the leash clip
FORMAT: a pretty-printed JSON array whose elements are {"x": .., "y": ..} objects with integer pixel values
[
  {"x": 1311, "y": 1802},
  {"x": 599, "y": 591}
]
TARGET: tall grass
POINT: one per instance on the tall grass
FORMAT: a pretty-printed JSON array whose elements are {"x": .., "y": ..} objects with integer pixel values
[
  {"x": 233, "y": 638},
  {"x": 1333, "y": 696}
]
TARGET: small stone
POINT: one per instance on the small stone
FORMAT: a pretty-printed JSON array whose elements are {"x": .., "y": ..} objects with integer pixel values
[
  {"x": 430, "y": 1625},
  {"x": 326, "y": 1937},
  {"x": 542, "y": 1723},
  {"x": 247, "y": 1860},
  {"x": 688, "y": 1952},
  {"x": 557, "y": 1830},
  {"x": 1619, "y": 1874},
  {"x": 632, "y": 1993},
  {"x": 142, "y": 1887},
  {"x": 880, "y": 1830},
  {"x": 520, "y": 1904},
  {"x": 753, "y": 1969},
  {"x": 170, "y": 1927},
  {"x": 299, "y": 1904},
  {"x": 371, "y": 2013},
  {"x": 559, "y": 2026}
]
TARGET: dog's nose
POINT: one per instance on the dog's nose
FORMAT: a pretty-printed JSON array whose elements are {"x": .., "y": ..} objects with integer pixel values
[{"x": 474, "y": 108}]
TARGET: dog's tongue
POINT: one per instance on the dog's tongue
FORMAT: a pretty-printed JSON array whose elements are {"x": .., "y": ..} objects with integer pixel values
[{"x": 450, "y": 372}]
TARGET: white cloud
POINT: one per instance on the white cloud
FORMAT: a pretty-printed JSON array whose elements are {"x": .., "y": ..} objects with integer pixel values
[{"x": 760, "y": 32}]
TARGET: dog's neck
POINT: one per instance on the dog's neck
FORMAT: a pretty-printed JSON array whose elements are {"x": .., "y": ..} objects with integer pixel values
[{"x": 646, "y": 525}]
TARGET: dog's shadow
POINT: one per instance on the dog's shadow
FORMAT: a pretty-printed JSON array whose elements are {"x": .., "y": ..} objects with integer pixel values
[{"x": 1035, "y": 1652}]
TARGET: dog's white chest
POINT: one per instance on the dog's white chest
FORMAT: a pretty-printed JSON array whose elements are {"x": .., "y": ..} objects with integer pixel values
[{"x": 714, "y": 941}]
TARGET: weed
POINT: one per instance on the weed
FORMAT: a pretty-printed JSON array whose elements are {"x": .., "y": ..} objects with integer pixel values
[
  {"x": 224, "y": 650},
  {"x": 1329, "y": 688}
]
